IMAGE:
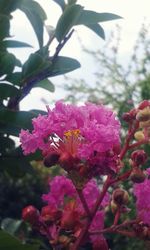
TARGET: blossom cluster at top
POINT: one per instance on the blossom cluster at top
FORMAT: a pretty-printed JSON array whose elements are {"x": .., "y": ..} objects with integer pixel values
[{"x": 86, "y": 133}]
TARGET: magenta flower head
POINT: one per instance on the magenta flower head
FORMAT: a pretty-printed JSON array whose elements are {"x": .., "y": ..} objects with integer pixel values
[
  {"x": 82, "y": 139},
  {"x": 142, "y": 193}
]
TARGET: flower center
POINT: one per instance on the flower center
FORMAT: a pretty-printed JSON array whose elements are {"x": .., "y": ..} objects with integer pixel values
[{"x": 72, "y": 140}]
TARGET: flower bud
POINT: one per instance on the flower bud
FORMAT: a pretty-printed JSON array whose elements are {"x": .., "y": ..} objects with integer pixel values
[
  {"x": 144, "y": 124},
  {"x": 143, "y": 115},
  {"x": 139, "y": 135},
  {"x": 66, "y": 161},
  {"x": 51, "y": 159},
  {"x": 144, "y": 104},
  {"x": 137, "y": 175},
  {"x": 127, "y": 117},
  {"x": 139, "y": 157},
  {"x": 120, "y": 196},
  {"x": 30, "y": 214},
  {"x": 113, "y": 206}
]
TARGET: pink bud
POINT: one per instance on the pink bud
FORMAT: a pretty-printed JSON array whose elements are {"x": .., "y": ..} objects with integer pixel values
[
  {"x": 139, "y": 157},
  {"x": 144, "y": 104},
  {"x": 30, "y": 214}
]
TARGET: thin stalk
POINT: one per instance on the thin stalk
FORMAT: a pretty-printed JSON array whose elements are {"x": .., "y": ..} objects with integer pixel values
[{"x": 83, "y": 233}]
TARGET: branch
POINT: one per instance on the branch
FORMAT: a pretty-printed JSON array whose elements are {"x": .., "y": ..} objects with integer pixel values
[
  {"x": 29, "y": 83},
  {"x": 83, "y": 233}
]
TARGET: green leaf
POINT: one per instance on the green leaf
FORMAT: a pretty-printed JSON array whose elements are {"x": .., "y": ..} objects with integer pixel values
[
  {"x": 91, "y": 17},
  {"x": 11, "y": 122},
  {"x": 36, "y": 16},
  {"x": 35, "y": 64},
  {"x": 72, "y": 1},
  {"x": 14, "y": 78},
  {"x": 18, "y": 119},
  {"x": 97, "y": 29},
  {"x": 8, "y": 242},
  {"x": 15, "y": 166},
  {"x": 67, "y": 20},
  {"x": 7, "y": 90},
  {"x": 45, "y": 84},
  {"x": 6, "y": 144},
  {"x": 61, "y": 3},
  {"x": 8, "y": 6},
  {"x": 7, "y": 63},
  {"x": 63, "y": 65},
  {"x": 4, "y": 26},
  {"x": 15, "y": 44},
  {"x": 11, "y": 226}
]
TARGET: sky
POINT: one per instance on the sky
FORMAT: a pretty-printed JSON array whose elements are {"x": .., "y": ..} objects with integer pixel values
[{"x": 133, "y": 12}]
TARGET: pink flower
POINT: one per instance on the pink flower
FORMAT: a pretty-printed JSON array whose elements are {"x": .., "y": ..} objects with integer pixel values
[
  {"x": 142, "y": 193},
  {"x": 60, "y": 187},
  {"x": 87, "y": 132},
  {"x": 98, "y": 240}
]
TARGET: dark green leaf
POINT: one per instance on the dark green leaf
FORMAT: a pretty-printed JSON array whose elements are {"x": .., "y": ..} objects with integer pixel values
[
  {"x": 14, "y": 78},
  {"x": 19, "y": 119},
  {"x": 17, "y": 153},
  {"x": 4, "y": 26},
  {"x": 7, "y": 63},
  {"x": 8, "y": 242},
  {"x": 97, "y": 29},
  {"x": 12, "y": 122},
  {"x": 72, "y": 1},
  {"x": 46, "y": 84},
  {"x": 6, "y": 144},
  {"x": 7, "y": 90},
  {"x": 91, "y": 17},
  {"x": 15, "y": 44},
  {"x": 35, "y": 64},
  {"x": 61, "y": 3},
  {"x": 67, "y": 20},
  {"x": 63, "y": 65},
  {"x": 15, "y": 166},
  {"x": 8, "y": 6},
  {"x": 36, "y": 16}
]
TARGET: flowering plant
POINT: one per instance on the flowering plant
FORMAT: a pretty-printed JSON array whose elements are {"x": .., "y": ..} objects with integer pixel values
[{"x": 85, "y": 142}]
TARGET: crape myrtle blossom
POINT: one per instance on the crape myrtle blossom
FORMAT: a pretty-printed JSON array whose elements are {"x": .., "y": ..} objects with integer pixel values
[
  {"x": 86, "y": 134},
  {"x": 63, "y": 197},
  {"x": 142, "y": 193}
]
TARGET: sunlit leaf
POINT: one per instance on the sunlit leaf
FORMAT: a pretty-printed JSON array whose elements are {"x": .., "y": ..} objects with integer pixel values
[
  {"x": 91, "y": 17},
  {"x": 36, "y": 16},
  {"x": 63, "y": 65},
  {"x": 45, "y": 84},
  {"x": 97, "y": 29},
  {"x": 15, "y": 44}
]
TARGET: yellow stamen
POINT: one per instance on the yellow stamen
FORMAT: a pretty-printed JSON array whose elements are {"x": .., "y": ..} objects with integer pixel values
[{"x": 70, "y": 133}]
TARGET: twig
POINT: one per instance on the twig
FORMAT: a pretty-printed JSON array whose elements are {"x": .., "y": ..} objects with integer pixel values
[
  {"x": 83, "y": 201},
  {"x": 83, "y": 233},
  {"x": 30, "y": 82}
]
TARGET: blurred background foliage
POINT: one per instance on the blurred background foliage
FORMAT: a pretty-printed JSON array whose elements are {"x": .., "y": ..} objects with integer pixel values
[{"x": 23, "y": 179}]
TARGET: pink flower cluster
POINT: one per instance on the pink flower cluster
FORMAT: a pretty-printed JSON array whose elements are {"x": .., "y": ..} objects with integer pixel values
[
  {"x": 89, "y": 133},
  {"x": 62, "y": 194},
  {"x": 142, "y": 193}
]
